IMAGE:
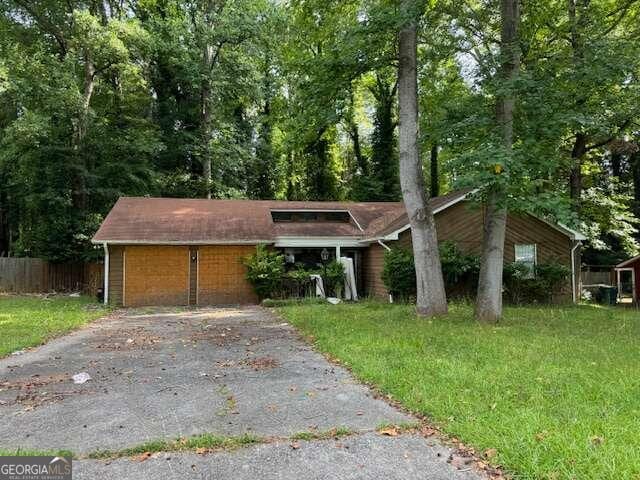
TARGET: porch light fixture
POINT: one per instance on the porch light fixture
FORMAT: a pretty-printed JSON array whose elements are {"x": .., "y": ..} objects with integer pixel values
[{"x": 324, "y": 255}]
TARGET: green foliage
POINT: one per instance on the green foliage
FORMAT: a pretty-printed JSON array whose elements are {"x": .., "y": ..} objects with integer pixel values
[
  {"x": 301, "y": 104},
  {"x": 458, "y": 268},
  {"x": 399, "y": 274},
  {"x": 265, "y": 269},
  {"x": 333, "y": 278},
  {"x": 460, "y": 272},
  {"x": 542, "y": 287}
]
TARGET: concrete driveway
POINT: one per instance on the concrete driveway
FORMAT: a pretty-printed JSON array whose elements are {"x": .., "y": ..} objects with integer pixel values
[{"x": 160, "y": 374}]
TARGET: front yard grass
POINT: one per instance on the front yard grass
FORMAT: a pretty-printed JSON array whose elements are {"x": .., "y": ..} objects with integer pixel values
[
  {"x": 27, "y": 321},
  {"x": 555, "y": 390}
]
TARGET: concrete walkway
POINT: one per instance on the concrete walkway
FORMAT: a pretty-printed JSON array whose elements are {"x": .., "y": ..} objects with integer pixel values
[{"x": 160, "y": 374}]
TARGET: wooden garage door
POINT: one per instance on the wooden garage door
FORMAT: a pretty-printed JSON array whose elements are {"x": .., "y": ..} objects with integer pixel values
[
  {"x": 156, "y": 275},
  {"x": 222, "y": 276}
]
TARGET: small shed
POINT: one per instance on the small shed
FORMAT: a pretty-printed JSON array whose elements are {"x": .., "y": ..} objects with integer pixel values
[{"x": 627, "y": 275}]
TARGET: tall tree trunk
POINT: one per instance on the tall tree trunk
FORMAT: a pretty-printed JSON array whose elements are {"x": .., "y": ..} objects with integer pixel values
[
  {"x": 577, "y": 20},
  {"x": 361, "y": 161},
  {"x": 431, "y": 298},
  {"x": 634, "y": 163},
  {"x": 433, "y": 168},
  {"x": 79, "y": 194},
  {"x": 575, "y": 175},
  {"x": 383, "y": 145},
  {"x": 616, "y": 164},
  {"x": 205, "y": 118},
  {"x": 489, "y": 300}
]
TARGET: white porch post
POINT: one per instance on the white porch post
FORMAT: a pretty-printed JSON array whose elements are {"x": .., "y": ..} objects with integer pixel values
[{"x": 337, "y": 252}]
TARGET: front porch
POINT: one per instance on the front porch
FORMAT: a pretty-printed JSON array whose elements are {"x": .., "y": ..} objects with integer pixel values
[{"x": 316, "y": 257}]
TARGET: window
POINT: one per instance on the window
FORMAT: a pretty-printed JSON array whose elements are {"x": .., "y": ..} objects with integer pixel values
[{"x": 526, "y": 254}]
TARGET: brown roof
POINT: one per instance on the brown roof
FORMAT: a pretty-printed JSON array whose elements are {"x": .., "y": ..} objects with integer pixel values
[
  {"x": 397, "y": 219},
  {"x": 185, "y": 220},
  {"x": 173, "y": 220}
]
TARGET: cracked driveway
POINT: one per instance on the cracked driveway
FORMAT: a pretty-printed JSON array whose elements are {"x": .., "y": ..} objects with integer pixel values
[{"x": 161, "y": 374}]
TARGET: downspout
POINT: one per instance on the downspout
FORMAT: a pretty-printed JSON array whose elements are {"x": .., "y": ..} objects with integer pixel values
[
  {"x": 388, "y": 249},
  {"x": 573, "y": 271},
  {"x": 106, "y": 273}
]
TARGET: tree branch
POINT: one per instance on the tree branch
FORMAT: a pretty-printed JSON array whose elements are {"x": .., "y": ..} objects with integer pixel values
[{"x": 46, "y": 26}]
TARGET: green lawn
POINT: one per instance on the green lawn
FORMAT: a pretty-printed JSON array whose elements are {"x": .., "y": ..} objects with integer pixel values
[
  {"x": 29, "y": 321},
  {"x": 555, "y": 390}
]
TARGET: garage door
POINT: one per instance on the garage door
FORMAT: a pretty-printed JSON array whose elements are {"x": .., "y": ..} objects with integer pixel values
[
  {"x": 222, "y": 276},
  {"x": 156, "y": 275}
]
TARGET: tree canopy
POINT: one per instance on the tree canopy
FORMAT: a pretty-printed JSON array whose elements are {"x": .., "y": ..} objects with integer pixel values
[{"x": 299, "y": 100}]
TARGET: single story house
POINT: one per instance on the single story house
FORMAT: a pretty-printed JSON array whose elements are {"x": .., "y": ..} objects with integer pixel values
[{"x": 168, "y": 251}]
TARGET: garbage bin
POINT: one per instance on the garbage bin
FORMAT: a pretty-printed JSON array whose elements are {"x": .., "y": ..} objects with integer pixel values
[{"x": 607, "y": 295}]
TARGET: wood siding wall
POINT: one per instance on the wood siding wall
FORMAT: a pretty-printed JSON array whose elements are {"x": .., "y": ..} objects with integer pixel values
[
  {"x": 462, "y": 224},
  {"x": 116, "y": 272}
]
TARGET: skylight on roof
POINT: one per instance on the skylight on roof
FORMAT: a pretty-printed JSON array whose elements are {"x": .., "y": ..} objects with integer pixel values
[{"x": 301, "y": 216}]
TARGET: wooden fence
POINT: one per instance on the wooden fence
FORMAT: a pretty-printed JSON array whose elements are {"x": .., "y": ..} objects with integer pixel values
[
  {"x": 34, "y": 275},
  {"x": 598, "y": 275}
]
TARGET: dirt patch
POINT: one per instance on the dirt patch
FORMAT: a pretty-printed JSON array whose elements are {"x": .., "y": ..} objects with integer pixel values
[
  {"x": 261, "y": 363},
  {"x": 32, "y": 400},
  {"x": 36, "y": 391},
  {"x": 34, "y": 382},
  {"x": 218, "y": 335},
  {"x": 128, "y": 339}
]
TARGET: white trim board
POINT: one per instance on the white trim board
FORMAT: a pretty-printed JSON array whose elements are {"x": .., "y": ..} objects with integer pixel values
[
  {"x": 319, "y": 242},
  {"x": 627, "y": 262}
]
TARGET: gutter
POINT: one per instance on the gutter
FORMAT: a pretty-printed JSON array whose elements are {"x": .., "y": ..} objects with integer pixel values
[
  {"x": 573, "y": 270},
  {"x": 106, "y": 273}
]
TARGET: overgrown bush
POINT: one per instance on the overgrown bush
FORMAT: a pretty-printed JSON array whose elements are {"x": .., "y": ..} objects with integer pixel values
[
  {"x": 333, "y": 278},
  {"x": 399, "y": 274},
  {"x": 267, "y": 273},
  {"x": 459, "y": 270},
  {"x": 520, "y": 287},
  {"x": 265, "y": 269},
  {"x": 297, "y": 283}
]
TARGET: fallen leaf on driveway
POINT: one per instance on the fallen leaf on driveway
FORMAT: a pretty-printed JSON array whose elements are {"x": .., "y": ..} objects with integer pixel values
[
  {"x": 295, "y": 445},
  {"x": 143, "y": 457},
  {"x": 428, "y": 431},
  {"x": 391, "y": 431}
]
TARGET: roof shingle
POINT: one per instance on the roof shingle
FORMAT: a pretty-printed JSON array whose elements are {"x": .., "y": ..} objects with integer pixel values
[{"x": 173, "y": 220}]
